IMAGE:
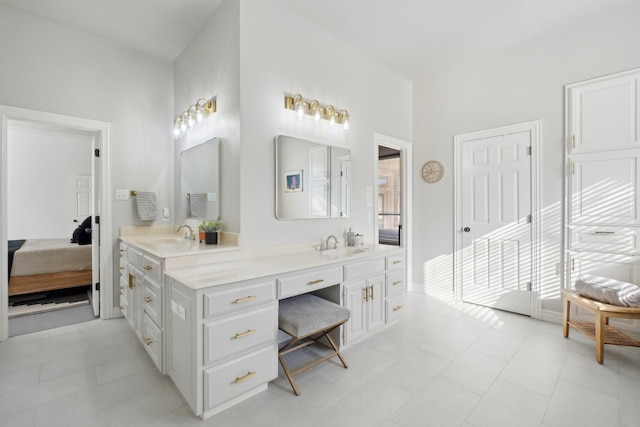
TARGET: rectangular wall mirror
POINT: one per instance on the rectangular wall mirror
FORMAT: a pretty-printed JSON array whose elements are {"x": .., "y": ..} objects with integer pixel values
[
  {"x": 200, "y": 180},
  {"x": 313, "y": 180}
]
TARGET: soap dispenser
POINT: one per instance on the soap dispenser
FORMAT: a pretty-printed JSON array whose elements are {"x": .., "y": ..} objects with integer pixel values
[{"x": 351, "y": 238}]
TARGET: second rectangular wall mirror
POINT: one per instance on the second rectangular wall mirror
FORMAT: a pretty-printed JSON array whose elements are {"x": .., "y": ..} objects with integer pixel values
[
  {"x": 313, "y": 180},
  {"x": 200, "y": 180}
]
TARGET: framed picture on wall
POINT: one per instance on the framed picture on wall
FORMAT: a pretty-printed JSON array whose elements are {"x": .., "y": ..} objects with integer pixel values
[{"x": 294, "y": 181}]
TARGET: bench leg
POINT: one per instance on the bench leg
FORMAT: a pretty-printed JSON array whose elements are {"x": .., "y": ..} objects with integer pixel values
[
  {"x": 600, "y": 322},
  {"x": 566, "y": 315}
]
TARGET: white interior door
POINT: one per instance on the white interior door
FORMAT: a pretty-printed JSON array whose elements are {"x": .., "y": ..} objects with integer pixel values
[
  {"x": 94, "y": 206},
  {"x": 496, "y": 219},
  {"x": 82, "y": 188}
]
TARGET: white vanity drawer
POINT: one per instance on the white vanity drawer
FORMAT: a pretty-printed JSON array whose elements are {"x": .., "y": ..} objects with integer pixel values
[
  {"x": 394, "y": 307},
  {"x": 308, "y": 282},
  {"x": 395, "y": 283},
  {"x": 363, "y": 269},
  {"x": 152, "y": 300},
  {"x": 226, "y": 381},
  {"x": 232, "y": 335},
  {"x": 152, "y": 340},
  {"x": 134, "y": 256},
  {"x": 152, "y": 267},
  {"x": 237, "y": 298},
  {"x": 395, "y": 262},
  {"x": 605, "y": 239}
]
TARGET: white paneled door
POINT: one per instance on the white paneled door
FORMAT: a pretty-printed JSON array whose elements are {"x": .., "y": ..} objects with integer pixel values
[{"x": 496, "y": 261}]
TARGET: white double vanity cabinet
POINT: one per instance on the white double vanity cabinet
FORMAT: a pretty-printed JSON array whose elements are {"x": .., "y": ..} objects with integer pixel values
[{"x": 209, "y": 317}]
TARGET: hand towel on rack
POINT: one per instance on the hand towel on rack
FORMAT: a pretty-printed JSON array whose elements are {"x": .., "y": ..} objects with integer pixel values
[
  {"x": 197, "y": 205},
  {"x": 146, "y": 204}
]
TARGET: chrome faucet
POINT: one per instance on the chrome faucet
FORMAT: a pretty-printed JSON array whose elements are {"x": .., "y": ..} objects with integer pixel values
[
  {"x": 335, "y": 242},
  {"x": 187, "y": 234}
]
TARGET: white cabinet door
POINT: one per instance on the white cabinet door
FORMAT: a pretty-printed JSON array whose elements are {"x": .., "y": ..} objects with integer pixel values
[
  {"x": 376, "y": 306},
  {"x": 604, "y": 114},
  {"x": 354, "y": 300},
  {"x": 604, "y": 188}
]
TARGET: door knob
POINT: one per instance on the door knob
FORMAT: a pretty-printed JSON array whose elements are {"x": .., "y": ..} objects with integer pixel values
[{"x": 466, "y": 229}]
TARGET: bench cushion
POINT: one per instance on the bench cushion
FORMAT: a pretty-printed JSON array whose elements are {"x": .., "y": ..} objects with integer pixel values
[
  {"x": 607, "y": 290},
  {"x": 304, "y": 314}
]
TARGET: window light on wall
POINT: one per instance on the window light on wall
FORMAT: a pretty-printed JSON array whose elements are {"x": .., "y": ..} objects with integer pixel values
[
  {"x": 313, "y": 108},
  {"x": 193, "y": 116}
]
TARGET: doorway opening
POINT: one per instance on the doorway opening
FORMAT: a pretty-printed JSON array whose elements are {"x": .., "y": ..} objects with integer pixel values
[
  {"x": 389, "y": 196},
  {"x": 55, "y": 179}
]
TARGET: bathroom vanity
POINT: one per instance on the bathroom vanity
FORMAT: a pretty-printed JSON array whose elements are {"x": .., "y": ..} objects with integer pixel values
[{"x": 217, "y": 334}]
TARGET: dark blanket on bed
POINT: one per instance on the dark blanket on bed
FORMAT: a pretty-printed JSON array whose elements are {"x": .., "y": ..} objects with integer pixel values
[{"x": 14, "y": 245}]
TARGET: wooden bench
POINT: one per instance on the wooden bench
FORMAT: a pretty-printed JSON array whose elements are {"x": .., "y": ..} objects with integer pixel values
[{"x": 600, "y": 331}]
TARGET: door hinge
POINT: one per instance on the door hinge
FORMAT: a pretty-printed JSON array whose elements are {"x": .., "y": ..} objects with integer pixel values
[
  {"x": 98, "y": 286},
  {"x": 573, "y": 141},
  {"x": 529, "y": 219},
  {"x": 530, "y": 150},
  {"x": 96, "y": 152},
  {"x": 97, "y": 219},
  {"x": 529, "y": 286}
]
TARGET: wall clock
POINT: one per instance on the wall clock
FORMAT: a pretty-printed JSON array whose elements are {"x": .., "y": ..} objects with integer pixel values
[{"x": 432, "y": 171}]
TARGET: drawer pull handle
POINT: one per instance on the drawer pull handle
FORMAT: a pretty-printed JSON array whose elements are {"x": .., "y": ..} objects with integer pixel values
[
  {"x": 244, "y": 377},
  {"x": 397, "y": 282},
  {"x": 245, "y": 334},
  {"x": 121, "y": 268},
  {"x": 605, "y": 232},
  {"x": 371, "y": 287},
  {"x": 122, "y": 307},
  {"x": 148, "y": 341},
  {"x": 121, "y": 250},
  {"x": 148, "y": 299},
  {"x": 315, "y": 282},
  {"x": 366, "y": 294},
  {"x": 397, "y": 307},
  {"x": 148, "y": 267},
  {"x": 131, "y": 285},
  {"x": 397, "y": 262},
  {"x": 122, "y": 288},
  {"x": 245, "y": 299}
]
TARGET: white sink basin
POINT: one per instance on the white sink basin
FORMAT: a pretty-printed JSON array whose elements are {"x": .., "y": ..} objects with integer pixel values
[
  {"x": 345, "y": 251},
  {"x": 169, "y": 244}
]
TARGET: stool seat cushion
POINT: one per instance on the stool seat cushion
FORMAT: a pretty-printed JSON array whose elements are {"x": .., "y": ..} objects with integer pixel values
[
  {"x": 608, "y": 290},
  {"x": 305, "y": 314}
]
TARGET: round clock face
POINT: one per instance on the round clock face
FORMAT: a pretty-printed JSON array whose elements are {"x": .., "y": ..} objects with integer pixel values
[{"x": 432, "y": 171}]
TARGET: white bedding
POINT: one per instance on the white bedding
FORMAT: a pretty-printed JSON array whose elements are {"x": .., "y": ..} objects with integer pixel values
[{"x": 40, "y": 256}]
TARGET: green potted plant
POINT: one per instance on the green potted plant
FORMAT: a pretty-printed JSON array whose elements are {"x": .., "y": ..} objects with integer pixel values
[{"x": 210, "y": 229}]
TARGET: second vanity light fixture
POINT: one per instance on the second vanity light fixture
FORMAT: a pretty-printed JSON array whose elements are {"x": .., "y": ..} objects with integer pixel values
[
  {"x": 192, "y": 116},
  {"x": 315, "y": 110}
]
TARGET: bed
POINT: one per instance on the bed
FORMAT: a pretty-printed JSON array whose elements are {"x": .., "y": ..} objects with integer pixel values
[{"x": 49, "y": 264}]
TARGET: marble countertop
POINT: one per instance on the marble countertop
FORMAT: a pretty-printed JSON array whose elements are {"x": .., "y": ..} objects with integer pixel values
[
  {"x": 245, "y": 265},
  {"x": 168, "y": 245}
]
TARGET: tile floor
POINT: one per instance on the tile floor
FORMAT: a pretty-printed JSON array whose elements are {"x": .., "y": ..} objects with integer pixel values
[{"x": 444, "y": 364}]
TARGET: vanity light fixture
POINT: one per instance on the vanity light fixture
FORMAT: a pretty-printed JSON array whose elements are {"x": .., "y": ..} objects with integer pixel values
[
  {"x": 193, "y": 116},
  {"x": 315, "y": 110}
]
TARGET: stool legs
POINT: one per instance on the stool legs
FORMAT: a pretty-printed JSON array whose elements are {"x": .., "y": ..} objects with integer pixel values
[{"x": 291, "y": 346}]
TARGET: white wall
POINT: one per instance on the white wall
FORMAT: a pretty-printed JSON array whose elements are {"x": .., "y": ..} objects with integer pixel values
[
  {"x": 250, "y": 55},
  {"x": 281, "y": 53},
  {"x": 209, "y": 67},
  {"x": 48, "y": 67},
  {"x": 485, "y": 92},
  {"x": 41, "y": 168}
]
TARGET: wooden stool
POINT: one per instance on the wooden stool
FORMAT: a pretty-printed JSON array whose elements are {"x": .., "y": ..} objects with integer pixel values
[
  {"x": 599, "y": 331},
  {"x": 304, "y": 317}
]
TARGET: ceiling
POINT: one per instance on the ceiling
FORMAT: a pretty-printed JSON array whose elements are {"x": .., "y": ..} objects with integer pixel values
[{"x": 408, "y": 36}]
